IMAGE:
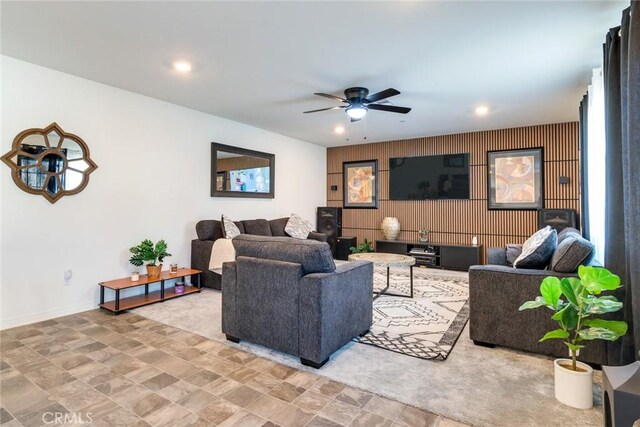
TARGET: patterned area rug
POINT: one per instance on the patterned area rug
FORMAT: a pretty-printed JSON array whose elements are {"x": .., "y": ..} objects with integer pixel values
[{"x": 426, "y": 326}]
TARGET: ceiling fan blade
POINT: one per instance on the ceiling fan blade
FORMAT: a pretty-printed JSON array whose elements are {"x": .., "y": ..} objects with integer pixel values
[
  {"x": 387, "y": 93},
  {"x": 324, "y": 109},
  {"x": 389, "y": 108},
  {"x": 326, "y": 95}
]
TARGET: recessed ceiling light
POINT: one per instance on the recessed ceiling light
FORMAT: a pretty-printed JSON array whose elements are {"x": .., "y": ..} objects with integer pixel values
[
  {"x": 339, "y": 130},
  {"x": 482, "y": 110},
  {"x": 182, "y": 66}
]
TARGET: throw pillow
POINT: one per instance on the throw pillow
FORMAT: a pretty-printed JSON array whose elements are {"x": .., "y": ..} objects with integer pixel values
[
  {"x": 229, "y": 228},
  {"x": 513, "y": 252},
  {"x": 538, "y": 249},
  {"x": 298, "y": 227},
  {"x": 567, "y": 232},
  {"x": 572, "y": 252}
]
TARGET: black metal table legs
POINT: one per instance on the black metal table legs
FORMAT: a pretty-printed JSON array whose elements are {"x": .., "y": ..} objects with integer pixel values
[{"x": 384, "y": 291}]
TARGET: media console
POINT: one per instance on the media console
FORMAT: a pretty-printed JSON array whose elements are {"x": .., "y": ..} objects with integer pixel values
[{"x": 435, "y": 255}]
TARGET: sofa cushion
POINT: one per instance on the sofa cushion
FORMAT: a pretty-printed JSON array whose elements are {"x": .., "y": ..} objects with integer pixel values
[
  {"x": 298, "y": 227},
  {"x": 278, "y": 225},
  {"x": 567, "y": 232},
  {"x": 314, "y": 256},
  {"x": 257, "y": 227},
  {"x": 229, "y": 228},
  {"x": 572, "y": 252},
  {"x": 513, "y": 252},
  {"x": 538, "y": 249},
  {"x": 209, "y": 229}
]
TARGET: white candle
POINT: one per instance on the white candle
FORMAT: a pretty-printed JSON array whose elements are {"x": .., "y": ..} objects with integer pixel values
[{"x": 135, "y": 276}]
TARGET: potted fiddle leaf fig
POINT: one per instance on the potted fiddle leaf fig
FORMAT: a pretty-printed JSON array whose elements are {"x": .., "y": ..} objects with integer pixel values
[
  {"x": 576, "y": 304},
  {"x": 151, "y": 255}
]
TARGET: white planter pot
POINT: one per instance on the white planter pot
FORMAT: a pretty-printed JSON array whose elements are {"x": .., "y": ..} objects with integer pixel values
[
  {"x": 573, "y": 388},
  {"x": 390, "y": 228}
]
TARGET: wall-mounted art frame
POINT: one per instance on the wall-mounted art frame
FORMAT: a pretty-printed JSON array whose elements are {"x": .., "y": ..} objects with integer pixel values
[
  {"x": 247, "y": 173},
  {"x": 515, "y": 179},
  {"x": 49, "y": 162},
  {"x": 360, "y": 184}
]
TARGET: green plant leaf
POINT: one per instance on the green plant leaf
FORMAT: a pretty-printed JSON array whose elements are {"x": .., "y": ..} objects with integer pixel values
[
  {"x": 550, "y": 290},
  {"x": 574, "y": 347},
  {"x": 597, "y": 279},
  {"x": 616, "y": 326},
  {"x": 568, "y": 291},
  {"x": 568, "y": 317},
  {"x": 538, "y": 302},
  {"x": 598, "y": 334},
  {"x": 555, "y": 334},
  {"x": 601, "y": 305}
]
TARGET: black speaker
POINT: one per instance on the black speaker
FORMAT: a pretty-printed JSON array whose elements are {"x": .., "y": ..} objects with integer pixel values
[
  {"x": 558, "y": 219},
  {"x": 343, "y": 246},
  {"x": 329, "y": 222}
]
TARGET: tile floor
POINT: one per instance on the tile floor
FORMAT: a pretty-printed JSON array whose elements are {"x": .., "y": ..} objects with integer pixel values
[{"x": 103, "y": 370}]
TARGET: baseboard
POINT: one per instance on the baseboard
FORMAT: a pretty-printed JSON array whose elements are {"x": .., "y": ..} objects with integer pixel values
[{"x": 46, "y": 315}]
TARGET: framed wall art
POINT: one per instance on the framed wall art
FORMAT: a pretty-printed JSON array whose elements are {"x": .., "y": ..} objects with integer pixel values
[
  {"x": 360, "y": 184},
  {"x": 515, "y": 179}
]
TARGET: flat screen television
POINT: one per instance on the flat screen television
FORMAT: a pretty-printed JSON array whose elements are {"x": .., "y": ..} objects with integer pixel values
[{"x": 429, "y": 177}]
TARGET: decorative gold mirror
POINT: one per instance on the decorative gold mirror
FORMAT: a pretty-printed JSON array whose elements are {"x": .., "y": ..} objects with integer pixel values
[{"x": 49, "y": 162}]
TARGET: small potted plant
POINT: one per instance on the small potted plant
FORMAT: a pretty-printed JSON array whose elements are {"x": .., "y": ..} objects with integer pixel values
[
  {"x": 366, "y": 246},
  {"x": 151, "y": 255},
  {"x": 576, "y": 303}
]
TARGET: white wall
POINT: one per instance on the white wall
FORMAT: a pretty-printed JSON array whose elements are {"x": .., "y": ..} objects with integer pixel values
[{"x": 152, "y": 182}]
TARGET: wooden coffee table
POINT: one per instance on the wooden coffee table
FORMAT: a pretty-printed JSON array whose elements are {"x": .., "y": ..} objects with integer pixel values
[
  {"x": 118, "y": 305},
  {"x": 388, "y": 260}
]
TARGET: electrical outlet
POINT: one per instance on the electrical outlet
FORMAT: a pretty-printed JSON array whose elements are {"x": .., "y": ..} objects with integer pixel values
[{"x": 68, "y": 274}]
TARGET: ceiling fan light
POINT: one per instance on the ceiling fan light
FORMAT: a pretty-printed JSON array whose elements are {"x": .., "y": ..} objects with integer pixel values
[{"x": 356, "y": 112}]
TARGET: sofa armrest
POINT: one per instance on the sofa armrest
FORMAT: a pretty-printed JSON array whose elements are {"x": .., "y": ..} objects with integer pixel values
[
  {"x": 338, "y": 306},
  {"x": 201, "y": 254},
  {"x": 497, "y": 256},
  {"x": 320, "y": 237},
  {"x": 229, "y": 299}
]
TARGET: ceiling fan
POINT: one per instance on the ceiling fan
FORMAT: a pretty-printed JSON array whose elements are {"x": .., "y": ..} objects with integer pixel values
[{"x": 358, "y": 102}]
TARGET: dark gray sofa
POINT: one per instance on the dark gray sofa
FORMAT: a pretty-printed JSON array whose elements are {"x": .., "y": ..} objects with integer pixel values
[
  {"x": 288, "y": 295},
  {"x": 208, "y": 231},
  {"x": 496, "y": 291}
]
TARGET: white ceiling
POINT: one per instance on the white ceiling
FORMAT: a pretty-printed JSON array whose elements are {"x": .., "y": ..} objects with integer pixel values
[{"x": 260, "y": 62}]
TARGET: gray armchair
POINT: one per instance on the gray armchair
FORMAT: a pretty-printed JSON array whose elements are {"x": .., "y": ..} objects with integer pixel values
[
  {"x": 288, "y": 295},
  {"x": 495, "y": 294}
]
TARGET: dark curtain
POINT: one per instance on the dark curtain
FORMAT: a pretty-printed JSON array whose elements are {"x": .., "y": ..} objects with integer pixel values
[
  {"x": 632, "y": 173},
  {"x": 622, "y": 202},
  {"x": 584, "y": 166}
]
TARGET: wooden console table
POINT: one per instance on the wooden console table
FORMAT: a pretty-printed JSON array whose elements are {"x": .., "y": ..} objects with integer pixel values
[
  {"x": 434, "y": 255},
  {"x": 118, "y": 305}
]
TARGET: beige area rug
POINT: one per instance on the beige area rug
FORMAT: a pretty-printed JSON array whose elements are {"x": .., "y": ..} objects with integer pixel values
[
  {"x": 426, "y": 326},
  {"x": 476, "y": 385}
]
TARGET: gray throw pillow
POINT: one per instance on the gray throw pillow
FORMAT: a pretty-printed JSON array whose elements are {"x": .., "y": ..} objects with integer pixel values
[
  {"x": 538, "y": 249},
  {"x": 513, "y": 252},
  {"x": 572, "y": 252},
  {"x": 568, "y": 232}
]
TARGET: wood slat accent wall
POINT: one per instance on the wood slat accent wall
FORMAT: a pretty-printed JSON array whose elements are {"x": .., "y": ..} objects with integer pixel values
[{"x": 457, "y": 221}]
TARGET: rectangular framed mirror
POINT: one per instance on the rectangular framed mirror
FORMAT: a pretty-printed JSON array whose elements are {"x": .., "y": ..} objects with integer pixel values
[{"x": 239, "y": 172}]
